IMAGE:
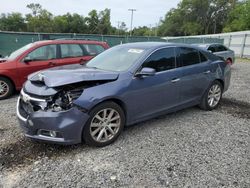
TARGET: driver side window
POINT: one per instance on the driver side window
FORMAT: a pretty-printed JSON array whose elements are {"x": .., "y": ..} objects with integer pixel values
[
  {"x": 43, "y": 53},
  {"x": 162, "y": 60}
]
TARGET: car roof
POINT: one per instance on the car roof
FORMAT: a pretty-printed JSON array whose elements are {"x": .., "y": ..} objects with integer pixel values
[
  {"x": 155, "y": 45},
  {"x": 206, "y": 45},
  {"x": 68, "y": 42}
]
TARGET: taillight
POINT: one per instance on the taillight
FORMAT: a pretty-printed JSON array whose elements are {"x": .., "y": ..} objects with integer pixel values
[{"x": 228, "y": 62}]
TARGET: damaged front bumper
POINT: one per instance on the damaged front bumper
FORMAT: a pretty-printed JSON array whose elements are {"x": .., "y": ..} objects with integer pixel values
[{"x": 64, "y": 127}]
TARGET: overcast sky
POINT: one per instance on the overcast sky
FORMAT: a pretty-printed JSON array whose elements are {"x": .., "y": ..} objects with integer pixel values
[{"x": 148, "y": 11}]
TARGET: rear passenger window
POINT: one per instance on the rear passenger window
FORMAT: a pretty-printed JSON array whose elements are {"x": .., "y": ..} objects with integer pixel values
[
  {"x": 212, "y": 49},
  {"x": 161, "y": 60},
  {"x": 71, "y": 50},
  {"x": 221, "y": 48},
  {"x": 189, "y": 56},
  {"x": 93, "y": 49}
]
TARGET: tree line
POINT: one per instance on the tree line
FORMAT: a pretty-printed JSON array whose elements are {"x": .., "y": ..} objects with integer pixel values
[
  {"x": 194, "y": 17},
  {"x": 191, "y": 17},
  {"x": 41, "y": 20}
]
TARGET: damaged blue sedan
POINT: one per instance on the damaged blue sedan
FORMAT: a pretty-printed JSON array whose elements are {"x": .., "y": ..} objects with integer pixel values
[{"x": 124, "y": 85}]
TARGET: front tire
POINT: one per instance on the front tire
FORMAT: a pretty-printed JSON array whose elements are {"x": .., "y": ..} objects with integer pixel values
[
  {"x": 105, "y": 124},
  {"x": 212, "y": 96},
  {"x": 6, "y": 88}
]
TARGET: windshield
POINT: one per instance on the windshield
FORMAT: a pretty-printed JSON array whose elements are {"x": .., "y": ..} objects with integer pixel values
[
  {"x": 18, "y": 52},
  {"x": 119, "y": 58}
]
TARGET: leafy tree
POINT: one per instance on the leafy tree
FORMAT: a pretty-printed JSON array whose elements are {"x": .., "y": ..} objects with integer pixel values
[
  {"x": 142, "y": 31},
  {"x": 121, "y": 29},
  {"x": 92, "y": 22},
  {"x": 196, "y": 17},
  {"x": 35, "y": 8},
  {"x": 99, "y": 23},
  {"x": 191, "y": 17},
  {"x": 12, "y": 22},
  {"x": 239, "y": 17},
  {"x": 60, "y": 24},
  {"x": 76, "y": 23},
  {"x": 40, "y": 20},
  {"x": 104, "y": 26}
]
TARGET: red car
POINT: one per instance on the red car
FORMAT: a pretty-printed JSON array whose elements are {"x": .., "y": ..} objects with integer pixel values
[{"x": 43, "y": 55}]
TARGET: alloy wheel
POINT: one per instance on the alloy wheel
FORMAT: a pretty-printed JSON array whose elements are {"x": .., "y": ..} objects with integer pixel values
[
  {"x": 4, "y": 88},
  {"x": 105, "y": 125},
  {"x": 214, "y": 95}
]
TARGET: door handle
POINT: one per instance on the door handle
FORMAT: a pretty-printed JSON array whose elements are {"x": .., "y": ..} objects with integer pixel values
[
  {"x": 207, "y": 72},
  {"x": 52, "y": 64},
  {"x": 83, "y": 61},
  {"x": 175, "y": 80}
]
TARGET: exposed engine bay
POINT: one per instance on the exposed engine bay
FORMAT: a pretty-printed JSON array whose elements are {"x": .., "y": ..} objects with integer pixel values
[{"x": 62, "y": 100}]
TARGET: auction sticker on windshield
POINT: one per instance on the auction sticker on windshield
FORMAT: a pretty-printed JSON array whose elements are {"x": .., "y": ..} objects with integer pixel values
[{"x": 137, "y": 51}]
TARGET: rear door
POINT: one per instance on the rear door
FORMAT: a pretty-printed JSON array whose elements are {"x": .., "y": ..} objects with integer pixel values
[
  {"x": 93, "y": 49},
  {"x": 73, "y": 54},
  {"x": 40, "y": 58},
  {"x": 195, "y": 74}
]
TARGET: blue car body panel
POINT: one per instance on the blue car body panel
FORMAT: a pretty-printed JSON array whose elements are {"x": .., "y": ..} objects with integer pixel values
[{"x": 140, "y": 97}]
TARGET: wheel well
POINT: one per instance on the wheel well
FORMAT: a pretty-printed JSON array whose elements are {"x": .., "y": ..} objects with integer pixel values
[
  {"x": 117, "y": 101},
  {"x": 9, "y": 80},
  {"x": 120, "y": 103},
  {"x": 230, "y": 59},
  {"x": 221, "y": 81}
]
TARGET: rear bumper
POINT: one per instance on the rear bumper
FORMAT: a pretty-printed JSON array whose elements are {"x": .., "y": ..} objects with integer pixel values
[
  {"x": 227, "y": 77},
  {"x": 68, "y": 123}
]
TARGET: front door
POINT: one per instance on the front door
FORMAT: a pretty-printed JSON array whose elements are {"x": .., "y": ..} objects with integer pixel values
[
  {"x": 157, "y": 93},
  {"x": 41, "y": 58}
]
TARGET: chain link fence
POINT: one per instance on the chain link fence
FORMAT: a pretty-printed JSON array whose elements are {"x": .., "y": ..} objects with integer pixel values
[
  {"x": 11, "y": 41},
  {"x": 239, "y": 42}
]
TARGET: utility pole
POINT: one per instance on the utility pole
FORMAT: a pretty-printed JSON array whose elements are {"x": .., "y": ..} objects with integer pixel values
[
  {"x": 132, "y": 15},
  {"x": 150, "y": 29},
  {"x": 156, "y": 28},
  {"x": 118, "y": 27}
]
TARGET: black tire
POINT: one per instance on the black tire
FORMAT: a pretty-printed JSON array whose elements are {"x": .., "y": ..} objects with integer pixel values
[
  {"x": 204, "y": 101},
  {"x": 7, "y": 85},
  {"x": 109, "y": 105}
]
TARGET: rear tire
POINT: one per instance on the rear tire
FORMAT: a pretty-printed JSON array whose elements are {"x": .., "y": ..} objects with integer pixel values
[
  {"x": 212, "y": 96},
  {"x": 105, "y": 124},
  {"x": 6, "y": 88}
]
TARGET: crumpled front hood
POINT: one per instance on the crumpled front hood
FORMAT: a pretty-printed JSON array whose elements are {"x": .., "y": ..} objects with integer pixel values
[{"x": 70, "y": 74}]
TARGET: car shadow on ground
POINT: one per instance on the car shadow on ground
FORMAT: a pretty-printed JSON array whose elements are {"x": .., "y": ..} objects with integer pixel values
[{"x": 25, "y": 151}]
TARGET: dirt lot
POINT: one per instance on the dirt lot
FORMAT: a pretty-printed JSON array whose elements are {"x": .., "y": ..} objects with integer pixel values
[{"x": 190, "y": 148}]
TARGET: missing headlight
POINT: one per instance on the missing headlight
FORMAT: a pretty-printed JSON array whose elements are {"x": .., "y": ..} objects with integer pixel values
[{"x": 64, "y": 99}]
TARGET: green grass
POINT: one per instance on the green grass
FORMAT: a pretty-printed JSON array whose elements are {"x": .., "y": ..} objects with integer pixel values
[{"x": 245, "y": 60}]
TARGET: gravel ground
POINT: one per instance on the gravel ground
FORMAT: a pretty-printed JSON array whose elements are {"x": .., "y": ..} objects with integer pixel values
[{"x": 190, "y": 148}]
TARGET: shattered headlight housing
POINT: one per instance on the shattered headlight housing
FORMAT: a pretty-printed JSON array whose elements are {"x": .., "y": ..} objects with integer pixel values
[{"x": 63, "y": 100}]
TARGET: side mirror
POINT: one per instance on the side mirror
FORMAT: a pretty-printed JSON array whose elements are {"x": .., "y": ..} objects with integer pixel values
[
  {"x": 146, "y": 71},
  {"x": 27, "y": 59},
  {"x": 210, "y": 51}
]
